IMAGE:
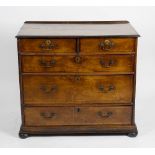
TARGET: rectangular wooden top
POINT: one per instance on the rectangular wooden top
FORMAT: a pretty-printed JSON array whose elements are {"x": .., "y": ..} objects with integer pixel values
[{"x": 44, "y": 29}]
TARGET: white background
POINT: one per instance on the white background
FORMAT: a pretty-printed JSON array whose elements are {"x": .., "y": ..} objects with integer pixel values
[{"x": 12, "y": 18}]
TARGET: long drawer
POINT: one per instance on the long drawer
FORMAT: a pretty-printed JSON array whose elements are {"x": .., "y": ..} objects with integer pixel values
[
  {"x": 58, "y": 89},
  {"x": 79, "y": 63},
  {"x": 48, "y": 116}
]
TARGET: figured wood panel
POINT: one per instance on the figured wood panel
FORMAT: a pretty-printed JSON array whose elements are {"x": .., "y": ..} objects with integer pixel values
[
  {"x": 47, "y": 45},
  {"x": 80, "y": 63},
  {"x": 48, "y": 116},
  {"x": 77, "y": 89},
  {"x": 71, "y": 98},
  {"x": 105, "y": 45},
  {"x": 103, "y": 115}
]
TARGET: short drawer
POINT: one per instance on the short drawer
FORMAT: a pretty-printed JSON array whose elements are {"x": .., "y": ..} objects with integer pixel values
[
  {"x": 48, "y": 116},
  {"x": 107, "y": 45},
  {"x": 103, "y": 115},
  {"x": 80, "y": 63},
  {"x": 47, "y": 45},
  {"x": 59, "y": 89}
]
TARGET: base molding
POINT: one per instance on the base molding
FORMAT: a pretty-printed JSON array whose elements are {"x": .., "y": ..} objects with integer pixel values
[{"x": 129, "y": 130}]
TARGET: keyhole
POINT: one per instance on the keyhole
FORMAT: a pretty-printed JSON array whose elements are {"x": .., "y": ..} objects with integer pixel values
[{"x": 78, "y": 109}]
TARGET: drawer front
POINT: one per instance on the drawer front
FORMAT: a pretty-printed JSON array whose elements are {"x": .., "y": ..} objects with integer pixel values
[
  {"x": 47, "y": 45},
  {"x": 48, "y": 116},
  {"x": 77, "y": 89},
  {"x": 105, "y": 63},
  {"x": 103, "y": 115},
  {"x": 45, "y": 116},
  {"x": 105, "y": 45}
]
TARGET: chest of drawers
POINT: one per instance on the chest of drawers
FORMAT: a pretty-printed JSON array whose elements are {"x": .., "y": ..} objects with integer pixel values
[{"x": 77, "y": 78}]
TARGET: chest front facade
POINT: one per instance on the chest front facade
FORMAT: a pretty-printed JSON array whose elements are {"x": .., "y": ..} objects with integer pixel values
[{"x": 77, "y": 84}]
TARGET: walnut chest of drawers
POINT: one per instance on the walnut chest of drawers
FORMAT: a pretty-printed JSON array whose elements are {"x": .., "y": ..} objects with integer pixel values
[{"x": 77, "y": 77}]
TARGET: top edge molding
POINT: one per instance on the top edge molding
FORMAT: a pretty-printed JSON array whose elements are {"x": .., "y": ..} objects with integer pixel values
[{"x": 77, "y": 22}]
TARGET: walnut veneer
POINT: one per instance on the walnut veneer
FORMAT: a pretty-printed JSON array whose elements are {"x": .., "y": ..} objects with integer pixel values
[{"x": 77, "y": 77}]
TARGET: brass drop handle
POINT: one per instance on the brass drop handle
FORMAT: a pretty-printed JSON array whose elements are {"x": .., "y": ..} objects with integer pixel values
[
  {"x": 111, "y": 87},
  {"x": 47, "y": 45},
  {"x": 49, "y": 89},
  {"x": 48, "y": 64},
  {"x": 106, "y": 45},
  {"x": 108, "y": 64},
  {"x": 77, "y": 59},
  {"x": 104, "y": 114},
  {"x": 48, "y": 115},
  {"x": 77, "y": 78},
  {"x": 104, "y": 89},
  {"x": 101, "y": 88}
]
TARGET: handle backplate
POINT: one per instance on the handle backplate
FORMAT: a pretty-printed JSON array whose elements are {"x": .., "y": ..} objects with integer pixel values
[
  {"x": 48, "y": 115},
  {"x": 104, "y": 114},
  {"x": 106, "y": 89},
  {"x": 106, "y": 45},
  {"x": 107, "y": 63},
  {"x": 48, "y": 45},
  {"x": 49, "y": 89},
  {"x": 48, "y": 64}
]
